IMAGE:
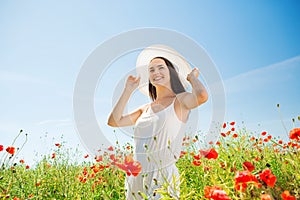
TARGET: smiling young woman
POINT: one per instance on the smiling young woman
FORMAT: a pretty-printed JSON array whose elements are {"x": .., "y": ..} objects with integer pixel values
[{"x": 160, "y": 125}]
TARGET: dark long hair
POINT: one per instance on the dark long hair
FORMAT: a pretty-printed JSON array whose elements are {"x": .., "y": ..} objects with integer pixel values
[{"x": 176, "y": 84}]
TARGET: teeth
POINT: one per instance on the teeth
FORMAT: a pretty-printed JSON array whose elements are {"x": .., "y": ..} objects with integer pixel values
[{"x": 156, "y": 79}]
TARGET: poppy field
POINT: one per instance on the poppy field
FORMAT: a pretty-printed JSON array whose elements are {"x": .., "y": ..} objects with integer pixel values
[{"x": 240, "y": 165}]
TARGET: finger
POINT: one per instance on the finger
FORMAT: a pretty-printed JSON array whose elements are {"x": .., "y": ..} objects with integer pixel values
[
  {"x": 133, "y": 78},
  {"x": 195, "y": 70},
  {"x": 136, "y": 79},
  {"x": 130, "y": 77}
]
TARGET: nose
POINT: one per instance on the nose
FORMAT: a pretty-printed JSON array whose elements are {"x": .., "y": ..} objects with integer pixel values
[{"x": 156, "y": 71}]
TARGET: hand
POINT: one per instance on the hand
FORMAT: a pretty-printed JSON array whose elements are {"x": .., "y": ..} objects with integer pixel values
[
  {"x": 132, "y": 83},
  {"x": 194, "y": 74}
]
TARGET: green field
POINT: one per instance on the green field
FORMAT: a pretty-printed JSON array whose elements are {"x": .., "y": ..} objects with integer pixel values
[{"x": 240, "y": 165}]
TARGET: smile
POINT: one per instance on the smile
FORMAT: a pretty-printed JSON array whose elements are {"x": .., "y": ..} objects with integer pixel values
[{"x": 157, "y": 78}]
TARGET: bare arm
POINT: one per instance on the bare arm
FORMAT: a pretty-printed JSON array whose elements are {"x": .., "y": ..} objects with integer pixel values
[
  {"x": 116, "y": 118},
  {"x": 198, "y": 95}
]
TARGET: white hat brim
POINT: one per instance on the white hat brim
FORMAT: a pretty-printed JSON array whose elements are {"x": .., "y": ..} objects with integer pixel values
[{"x": 180, "y": 64}]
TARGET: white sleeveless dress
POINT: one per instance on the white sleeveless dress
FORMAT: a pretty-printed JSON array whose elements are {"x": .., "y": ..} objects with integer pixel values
[{"x": 158, "y": 140}]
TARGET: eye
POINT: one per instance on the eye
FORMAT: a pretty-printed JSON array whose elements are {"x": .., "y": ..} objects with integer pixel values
[{"x": 151, "y": 70}]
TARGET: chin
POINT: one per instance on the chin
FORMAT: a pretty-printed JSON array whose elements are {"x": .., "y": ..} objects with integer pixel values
[{"x": 159, "y": 84}]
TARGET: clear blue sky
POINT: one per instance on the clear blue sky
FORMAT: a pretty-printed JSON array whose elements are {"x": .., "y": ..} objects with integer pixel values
[{"x": 255, "y": 45}]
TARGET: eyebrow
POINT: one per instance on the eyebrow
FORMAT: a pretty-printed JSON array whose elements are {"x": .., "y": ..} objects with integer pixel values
[{"x": 156, "y": 66}]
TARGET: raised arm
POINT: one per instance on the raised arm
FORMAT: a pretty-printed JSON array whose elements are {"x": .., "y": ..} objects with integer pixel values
[
  {"x": 116, "y": 118},
  {"x": 198, "y": 95}
]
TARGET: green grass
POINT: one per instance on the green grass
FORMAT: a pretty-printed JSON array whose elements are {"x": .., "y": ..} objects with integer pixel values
[{"x": 58, "y": 178}]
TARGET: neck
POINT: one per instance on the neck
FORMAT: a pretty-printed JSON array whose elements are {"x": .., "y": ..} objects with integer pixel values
[{"x": 164, "y": 92}]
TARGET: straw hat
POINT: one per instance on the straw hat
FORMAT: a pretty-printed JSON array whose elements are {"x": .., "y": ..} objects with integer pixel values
[{"x": 180, "y": 64}]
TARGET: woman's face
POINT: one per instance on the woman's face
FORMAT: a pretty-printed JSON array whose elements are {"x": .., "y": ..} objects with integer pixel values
[{"x": 159, "y": 73}]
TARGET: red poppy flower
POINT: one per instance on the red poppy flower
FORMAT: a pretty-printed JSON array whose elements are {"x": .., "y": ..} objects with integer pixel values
[
  {"x": 295, "y": 134},
  {"x": 294, "y": 145},
  {"x": 223, "y": 134},
  {"x": 196, "y": 163},
  {"x": 197, "y": 157},
  {"x": 133, "y": 166},
  {"x": 182, "y": 153},
  {"x": 252, "y": 138},
  {"x": 130, "y": 166},
  {"x": 99, "y": 158},
  {"x": 82, "y": 179},
  {"x": 86, "y": 156},
  {"x": 235, "y": 135},
  {"x": 241, "y": 186},
  {"x": 1, "y": 147},
  {"x": 222, "y": 165},
  {"x": 256, "y": 159},
  {"x": 211, "y": 154},
  {"x": 53, "y": 155},
  {"x": 232, "y": 129},
  {"x": 242, "y": 178},
  {"x": 11, "y": 150},
  {"x": 96, "y": 169},
  {"x": 280, "y": 141},
  {"x": 110, "y": 148},
  {"x": 266, "y": 140},
  {"x": 58, "y": 145},
  {"x": 27, "y": 167},
  {"x": 269, "y": 137},
  {"x": 185, "y": 138},
  {"x": 113, "y": 158},
  {"x": 286, "y": 196},
  {"x": 265, "y": 197},
  {"x": 264, "y": 133},
  {"x": 22, "y": 161},
  {"x": 215, "y": 193},
  {"x": 232, "y": 123},
  {"x": 224, "y": 125},
  {"x": 93, "y": 167},
  {"x": 85, "y": 172},
  {"x": 267, "y": 177},
  {"x": 248, "y": 166},
  {"x": 102, "y": 167}
]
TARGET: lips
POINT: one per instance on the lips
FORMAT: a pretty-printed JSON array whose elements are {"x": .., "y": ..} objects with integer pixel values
[{"x": 157, "y": 78}]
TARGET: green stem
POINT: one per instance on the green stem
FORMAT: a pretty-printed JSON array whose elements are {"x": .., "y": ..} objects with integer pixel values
[
  {"x": 6, "y": 155},
  {"x": 20, "y": 148},
  {"x": 280, "y": 116}
]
